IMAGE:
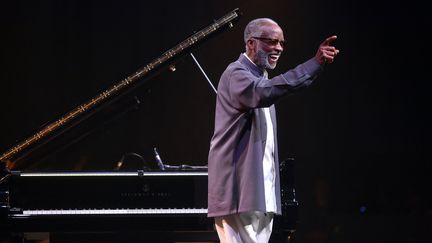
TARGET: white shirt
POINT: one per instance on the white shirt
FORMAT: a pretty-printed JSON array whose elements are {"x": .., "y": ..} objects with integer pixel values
[
  {"x": 268, "y": 160},
  {"x": 269, "y": 166}
]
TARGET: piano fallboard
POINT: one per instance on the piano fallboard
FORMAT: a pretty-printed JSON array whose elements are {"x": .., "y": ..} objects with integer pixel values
[{"x": 98, "y": 192}]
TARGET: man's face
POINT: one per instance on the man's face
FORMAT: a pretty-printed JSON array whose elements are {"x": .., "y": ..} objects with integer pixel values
[{"x": 269, "y": 46}]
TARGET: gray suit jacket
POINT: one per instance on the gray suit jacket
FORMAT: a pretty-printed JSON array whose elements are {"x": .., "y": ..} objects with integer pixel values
[{"x": 235, "y": 162}]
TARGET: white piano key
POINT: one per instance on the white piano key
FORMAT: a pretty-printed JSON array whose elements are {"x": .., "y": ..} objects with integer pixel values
[{"x": 116, "y": 211}]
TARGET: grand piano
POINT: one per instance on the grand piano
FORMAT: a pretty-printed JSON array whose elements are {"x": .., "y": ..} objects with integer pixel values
[{"x": 150, "y": 204}]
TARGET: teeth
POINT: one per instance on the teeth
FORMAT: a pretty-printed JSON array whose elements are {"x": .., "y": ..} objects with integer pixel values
[{"x": 274, "y": 56}]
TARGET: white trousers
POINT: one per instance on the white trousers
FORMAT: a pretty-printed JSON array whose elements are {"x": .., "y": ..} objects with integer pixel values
[{"x": 252, "y": 227}]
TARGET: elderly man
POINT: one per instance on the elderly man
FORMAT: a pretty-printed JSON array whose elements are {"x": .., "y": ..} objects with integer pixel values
[{"x": 243, "y": 189}]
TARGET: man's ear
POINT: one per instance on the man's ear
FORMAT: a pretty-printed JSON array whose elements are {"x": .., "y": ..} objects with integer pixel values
[{"x": 250, "y": 44}]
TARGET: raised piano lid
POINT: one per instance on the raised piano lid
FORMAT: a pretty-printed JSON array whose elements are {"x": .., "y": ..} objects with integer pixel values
[{"x": 69, "y": 128}]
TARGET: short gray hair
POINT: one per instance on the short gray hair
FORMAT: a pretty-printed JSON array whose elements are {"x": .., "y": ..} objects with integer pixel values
[{"x": 253, "y": 28}]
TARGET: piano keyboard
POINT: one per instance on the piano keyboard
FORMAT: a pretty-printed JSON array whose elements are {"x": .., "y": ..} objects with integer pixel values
[{"x": 155, "y": 211}]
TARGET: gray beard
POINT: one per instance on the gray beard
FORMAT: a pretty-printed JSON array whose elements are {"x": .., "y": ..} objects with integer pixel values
[{"x": 263, "y": 60}]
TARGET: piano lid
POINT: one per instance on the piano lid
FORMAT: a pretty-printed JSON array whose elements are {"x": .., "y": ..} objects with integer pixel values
[{"x": 56, "y": 135}]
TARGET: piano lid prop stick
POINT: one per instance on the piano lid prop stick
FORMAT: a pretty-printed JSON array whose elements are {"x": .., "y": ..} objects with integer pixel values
[{"x": 202, "y": 70}]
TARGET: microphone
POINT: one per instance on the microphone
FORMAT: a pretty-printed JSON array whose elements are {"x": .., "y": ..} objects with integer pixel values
[
  {"x": 119, "y": 163},
  {"x": 158, "y": 159}
]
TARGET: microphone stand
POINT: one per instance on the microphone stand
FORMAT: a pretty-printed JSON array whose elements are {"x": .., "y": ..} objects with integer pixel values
[{"x": 166, "y": 167}]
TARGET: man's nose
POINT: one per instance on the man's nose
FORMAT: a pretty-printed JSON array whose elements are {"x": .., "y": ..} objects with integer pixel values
[{"x": 279, "y": 47}]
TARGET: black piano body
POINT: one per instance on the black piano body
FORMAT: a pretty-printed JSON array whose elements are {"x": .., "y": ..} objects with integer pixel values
[
  {"x": 64, "y": 203},
  {"x": 135, "y": 204}
]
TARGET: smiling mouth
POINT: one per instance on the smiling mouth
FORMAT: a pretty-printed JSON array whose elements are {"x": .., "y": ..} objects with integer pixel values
[{"x": 274, "y": 57}]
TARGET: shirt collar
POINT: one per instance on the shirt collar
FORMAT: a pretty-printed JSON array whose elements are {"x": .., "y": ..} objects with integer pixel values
[
  {"x": 252, "y": 66},
  {"x": 249, "y": 59}
]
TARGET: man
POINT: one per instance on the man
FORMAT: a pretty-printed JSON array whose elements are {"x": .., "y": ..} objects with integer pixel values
[{"x": 243, "y": 165}]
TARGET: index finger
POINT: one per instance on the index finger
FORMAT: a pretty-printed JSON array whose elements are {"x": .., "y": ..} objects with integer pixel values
[{"x": 329, "y": 40}]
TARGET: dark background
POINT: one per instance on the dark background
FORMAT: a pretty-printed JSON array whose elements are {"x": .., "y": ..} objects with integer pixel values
[{"x": 359, "y": 136}]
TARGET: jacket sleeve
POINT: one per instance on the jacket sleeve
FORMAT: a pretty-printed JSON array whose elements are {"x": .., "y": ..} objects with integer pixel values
[{"x": 247, "y": 91}]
